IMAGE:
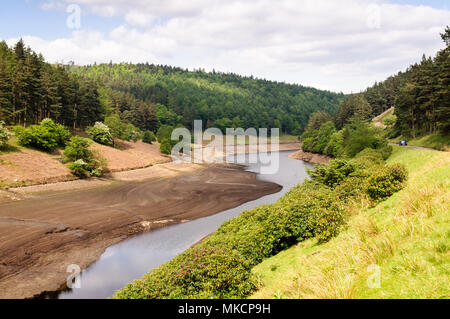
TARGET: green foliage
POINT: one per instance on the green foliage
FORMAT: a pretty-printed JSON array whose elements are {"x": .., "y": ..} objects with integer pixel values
[
  {"x": 122, "y": 130},
  {"x": 61, "y": 133},
  {"x": 386, "y": 181},
  {"x": 78, "y": 148},
  {"x": 83, "y": 161},
  {"x": 148, "y": 137},
  {"x": 220, "y": 266},
  {"x": 370, "y": 155},
  {"x": 47, "y": 136},
  {"x": 335, "y": 144},
  {"x": 101, "y": 134},
  {"x": 4, "y": 135},
  {"x": 79, "y": 169},
  {"x": 164, "y": 133},
  {"x": 360, "y": 135},
  {"x": 181, "y": 96},
  {"x": 390, "y": 120},
  {"x": 317, "y": 119},
  {"x": 333, "y": 173},
  {"x": 200, "y": 272},
  {"x": 223, "y": 124},
  {"x": 317, "y": 140},
  {"x": 31, "y": 89},
  {"x": 166, "y": 146},
  {"x": 355, "y": 106}
]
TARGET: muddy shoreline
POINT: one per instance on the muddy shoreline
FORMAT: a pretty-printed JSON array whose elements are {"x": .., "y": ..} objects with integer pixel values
[
  {"x": 52, "y": 228},
  {"x": 312, "y": 158}
]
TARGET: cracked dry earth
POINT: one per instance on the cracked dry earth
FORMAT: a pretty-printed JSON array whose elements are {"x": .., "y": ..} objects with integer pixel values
[{"x": 41, "y": 236}]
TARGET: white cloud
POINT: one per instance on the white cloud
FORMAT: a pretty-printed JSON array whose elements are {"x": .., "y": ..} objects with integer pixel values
[{"x": 339, "y": 45}]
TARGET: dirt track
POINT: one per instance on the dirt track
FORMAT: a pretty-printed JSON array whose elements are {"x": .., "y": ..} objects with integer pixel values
[{"x": 41, "y": 236}]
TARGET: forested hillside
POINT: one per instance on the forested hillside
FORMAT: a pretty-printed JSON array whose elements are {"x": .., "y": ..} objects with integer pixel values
[
  {"x": 420, "y": 95},
  {"x": 148, "y": 95},
  {"x": 219, "y": 99}
]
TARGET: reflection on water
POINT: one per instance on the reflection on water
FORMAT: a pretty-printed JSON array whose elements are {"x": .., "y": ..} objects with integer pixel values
[{"x": 131, "y": 259}]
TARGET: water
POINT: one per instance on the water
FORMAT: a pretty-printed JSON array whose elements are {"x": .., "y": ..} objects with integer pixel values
[{"x": 131, "y": 259}]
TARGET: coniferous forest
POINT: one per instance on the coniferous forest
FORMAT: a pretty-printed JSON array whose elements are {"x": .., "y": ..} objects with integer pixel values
[{"x": 148, "y": 95}]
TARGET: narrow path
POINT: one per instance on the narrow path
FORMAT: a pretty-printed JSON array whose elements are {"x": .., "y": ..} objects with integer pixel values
[{"x": 415, "y": 147}]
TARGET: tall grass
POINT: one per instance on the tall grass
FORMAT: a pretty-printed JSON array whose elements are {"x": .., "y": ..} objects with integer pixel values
[{"x": 407, "y": 237}]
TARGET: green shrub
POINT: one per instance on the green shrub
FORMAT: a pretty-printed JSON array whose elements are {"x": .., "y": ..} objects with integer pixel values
[
  {"x": 370, "y": 156},
  {"x": 386, "y": 181},
  {"x": 164, "y": 132},
  {"x": 359, "y": 135},
  {"x": 79, "y": 168},
  {"x": 200, "y": 272},
  {"x": 61, "y": 134},
  {"x": 166, "y": 146},
  {"x": 101, "y": 134},
  {"x": 333, "y": 173},
  {"x": 78, "y": 148},
  {"x": 85, "y": 162},
  {"x": 47, "y": 136},
  {"x": 390, "y": 120},
  {"x": 334, "y": 145},
  {"x": 148, "y": 137},
  {"x": 385, "y": 151},
  {"x": 4, "y": 135},
  {"x": 132, "y": 133},
  {"x": 36, "y": 136}
]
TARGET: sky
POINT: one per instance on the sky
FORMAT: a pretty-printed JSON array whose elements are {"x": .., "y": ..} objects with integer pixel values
[{"x": 342, "y": 46}]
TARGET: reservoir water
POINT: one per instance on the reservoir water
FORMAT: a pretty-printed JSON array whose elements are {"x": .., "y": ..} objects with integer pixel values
[{"x": 126, "y": 261}]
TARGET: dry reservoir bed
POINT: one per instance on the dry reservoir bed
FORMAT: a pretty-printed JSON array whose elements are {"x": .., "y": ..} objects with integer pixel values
[{"x": 42, "y": 235}]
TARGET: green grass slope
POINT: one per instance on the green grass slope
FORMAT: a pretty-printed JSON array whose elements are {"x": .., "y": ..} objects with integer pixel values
[{"x": 403, "y": 242}]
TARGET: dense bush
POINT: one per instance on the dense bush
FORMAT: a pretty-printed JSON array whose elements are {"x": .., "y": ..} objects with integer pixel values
[
  {"x": 386, "y": 181},
  {"x": 333, "y": 173},
  {"x": 390, "y": 120},
  {"x": 61, "y": 134},
  {"x": 359, "y": 135},
  {"x": 164, "y": 132},
  {"x": 47, "y": 136},
  {"x": 84, "y": 162},
  {"x": 348, "y": 142},
  {"x": 122, "y": 130},
  {"x": 78, "y": 148},
  {"x": 166, "y": 146},
  {"x": 148, "y": 137},
  {"x": 101, "y": 134},
  {"x": 317, "y": 140},
  {"x": 200, "y": 272},
  {"x": 335, "y": 144},
  {"x": 4, "y": 135}
]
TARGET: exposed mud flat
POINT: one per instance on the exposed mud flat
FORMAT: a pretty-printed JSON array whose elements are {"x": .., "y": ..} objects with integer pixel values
[{"x": 52, "y": 228}]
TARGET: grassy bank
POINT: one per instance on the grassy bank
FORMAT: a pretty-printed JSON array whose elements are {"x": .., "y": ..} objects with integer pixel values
[{"x": 407, "y": 236}]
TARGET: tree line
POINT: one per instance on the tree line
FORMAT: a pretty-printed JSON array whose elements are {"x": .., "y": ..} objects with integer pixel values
[
  {"x": 32, "y": 90},
  {"x": 420, "y": 95}
]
